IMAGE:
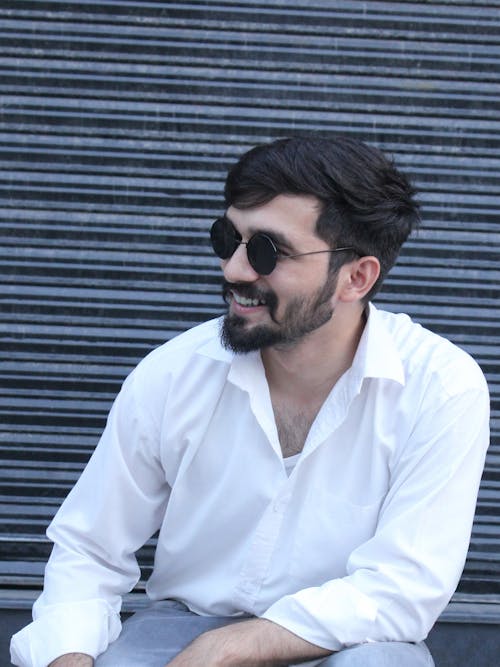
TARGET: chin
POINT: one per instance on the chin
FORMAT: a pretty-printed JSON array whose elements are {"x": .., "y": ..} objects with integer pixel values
[{"x": 240, "y": 337}]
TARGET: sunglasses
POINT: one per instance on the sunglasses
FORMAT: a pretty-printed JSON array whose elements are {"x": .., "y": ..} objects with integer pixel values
[{"x": 262, "y": 252}]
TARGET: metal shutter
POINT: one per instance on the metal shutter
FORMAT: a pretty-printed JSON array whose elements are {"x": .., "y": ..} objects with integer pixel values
[{"x": 118, "y": 121}]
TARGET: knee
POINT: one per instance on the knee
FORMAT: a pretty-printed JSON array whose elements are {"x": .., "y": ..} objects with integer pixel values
[
  {"x": 381, "y": 654},
  {"x": 354, "y": 656}
]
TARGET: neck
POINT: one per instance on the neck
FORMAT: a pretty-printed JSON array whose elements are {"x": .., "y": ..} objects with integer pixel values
[{"x": 308, "y": 370}]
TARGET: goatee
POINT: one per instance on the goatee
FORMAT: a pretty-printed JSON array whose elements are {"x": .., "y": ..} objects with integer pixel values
[{"x": 302, "y": 316}]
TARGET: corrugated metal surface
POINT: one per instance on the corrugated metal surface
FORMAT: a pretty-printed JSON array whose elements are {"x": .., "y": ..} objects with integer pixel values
[{"x": 117, "y": 123}]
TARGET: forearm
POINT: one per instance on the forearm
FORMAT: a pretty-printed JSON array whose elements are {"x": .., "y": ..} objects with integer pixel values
[
  {"x": 73, "y": 660},
  {"x": 253, "y": 643}
]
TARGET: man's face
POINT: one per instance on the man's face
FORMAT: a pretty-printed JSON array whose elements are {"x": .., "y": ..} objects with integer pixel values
[{"x": 281, "y": 308}]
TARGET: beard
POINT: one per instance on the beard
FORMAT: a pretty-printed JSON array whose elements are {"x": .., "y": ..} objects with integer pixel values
[{"x": 302, "y": 316}]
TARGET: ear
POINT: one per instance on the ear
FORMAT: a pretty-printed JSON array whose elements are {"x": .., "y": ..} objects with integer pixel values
[{"x": 357, "y": 278}]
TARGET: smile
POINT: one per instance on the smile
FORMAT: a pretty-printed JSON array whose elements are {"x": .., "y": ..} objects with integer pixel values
[{"x": 243, "y": 301}]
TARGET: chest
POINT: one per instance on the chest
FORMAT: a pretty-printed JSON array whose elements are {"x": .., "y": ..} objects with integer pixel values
[{"x": 293, "y": 424}]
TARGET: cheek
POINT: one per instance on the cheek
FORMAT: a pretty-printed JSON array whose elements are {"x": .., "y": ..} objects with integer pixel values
[{"x": 301, "y": 286}]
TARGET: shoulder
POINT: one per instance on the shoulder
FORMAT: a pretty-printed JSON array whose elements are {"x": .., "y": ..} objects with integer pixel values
[
  {"x": 428, "y": 357},
  {"x": 188, "y": 359},
  {"x": 200, "y": 341}
]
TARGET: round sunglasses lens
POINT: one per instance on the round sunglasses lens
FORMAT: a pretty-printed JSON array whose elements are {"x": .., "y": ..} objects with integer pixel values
[
  {"x": 261, "y": 254},
  {"x": 223, "y": 238}
]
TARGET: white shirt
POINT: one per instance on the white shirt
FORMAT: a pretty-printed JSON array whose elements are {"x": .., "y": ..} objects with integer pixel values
[{"x": 365, "y": 540}]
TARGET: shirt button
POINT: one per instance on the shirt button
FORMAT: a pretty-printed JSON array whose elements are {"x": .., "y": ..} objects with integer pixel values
[{"x": 279, "y": 505}]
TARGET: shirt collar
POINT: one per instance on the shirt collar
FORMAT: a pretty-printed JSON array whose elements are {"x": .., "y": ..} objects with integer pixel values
[
  {"x": 246, "y": 370},
  {"x": 212, "y": 347},
  {"x": 377, "y": 355}
]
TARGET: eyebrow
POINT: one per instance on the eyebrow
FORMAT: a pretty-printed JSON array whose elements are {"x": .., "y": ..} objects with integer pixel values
[{"x": 279, "y": 238}]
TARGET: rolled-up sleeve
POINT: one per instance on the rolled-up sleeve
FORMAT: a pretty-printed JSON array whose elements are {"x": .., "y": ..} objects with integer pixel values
[
  {"x": 117, "y": 504},
  {"x": 399, "y": 581}
]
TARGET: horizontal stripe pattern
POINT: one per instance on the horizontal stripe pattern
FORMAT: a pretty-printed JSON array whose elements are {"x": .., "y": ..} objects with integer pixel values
[{"x": 118, "y": 122}]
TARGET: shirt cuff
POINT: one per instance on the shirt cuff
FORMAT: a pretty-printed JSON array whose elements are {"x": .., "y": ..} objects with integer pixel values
[
  {"x": 84, "y": 627},
  {"x": 331, "y": 616}
]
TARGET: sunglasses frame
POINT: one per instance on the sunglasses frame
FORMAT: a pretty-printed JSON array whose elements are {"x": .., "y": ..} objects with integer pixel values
[{"x": 253, "y": 259}]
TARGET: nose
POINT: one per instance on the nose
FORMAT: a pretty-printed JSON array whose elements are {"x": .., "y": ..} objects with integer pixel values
[{"x": 237, "y": 268}]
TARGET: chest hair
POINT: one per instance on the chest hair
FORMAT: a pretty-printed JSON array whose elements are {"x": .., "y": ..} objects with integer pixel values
[{"x": 293, "y": 426}]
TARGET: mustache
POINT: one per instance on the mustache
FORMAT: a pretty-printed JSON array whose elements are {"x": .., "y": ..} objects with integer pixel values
[{"x": 250, "y": 292}]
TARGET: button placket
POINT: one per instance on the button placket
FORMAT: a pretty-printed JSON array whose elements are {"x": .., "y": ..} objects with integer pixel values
[{"x": 256, "y": 565}]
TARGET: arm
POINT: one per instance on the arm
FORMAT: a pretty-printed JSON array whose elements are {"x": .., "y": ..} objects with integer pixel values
[
  {"x": 116, "y": 505},
  {"x": 399, "y": 581},
  {"x": 73, "y": 660},
  {"x": 253, "y": 643}
]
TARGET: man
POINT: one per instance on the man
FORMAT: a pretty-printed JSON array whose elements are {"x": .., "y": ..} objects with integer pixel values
[{"x": 311, "y": 463}]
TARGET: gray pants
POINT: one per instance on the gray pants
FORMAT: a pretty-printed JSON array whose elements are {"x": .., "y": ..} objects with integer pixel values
[{"x": 153, "y": 637}]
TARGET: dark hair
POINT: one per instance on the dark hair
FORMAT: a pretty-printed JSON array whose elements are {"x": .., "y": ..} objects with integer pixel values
[{"x": 366, "y": 202}]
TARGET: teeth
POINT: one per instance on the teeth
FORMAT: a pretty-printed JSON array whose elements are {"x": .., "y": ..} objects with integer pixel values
[{"x": 243, "y": 301}]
